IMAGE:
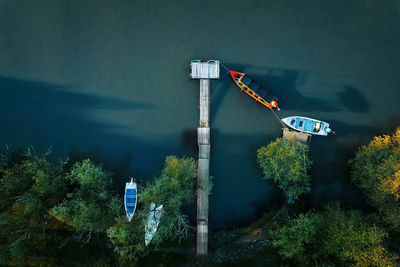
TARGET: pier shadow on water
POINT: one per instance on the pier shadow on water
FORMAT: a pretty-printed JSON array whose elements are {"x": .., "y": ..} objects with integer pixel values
[{"x": 219, "y": 89}]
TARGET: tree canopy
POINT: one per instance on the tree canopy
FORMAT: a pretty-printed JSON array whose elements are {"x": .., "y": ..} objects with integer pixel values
[
  {"x": 48, "y": 212},
  {"x": 173, "y": 189},
  {"x": 89, "y": 207},
  {"x": 286, "y": 162},
  {"x": 28, "y": 189},
  {"x": 334, "y": 236},
  {"x": 376, "y": 171}
]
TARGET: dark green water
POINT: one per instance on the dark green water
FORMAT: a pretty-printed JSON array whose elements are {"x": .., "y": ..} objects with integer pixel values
[{"x": 111, "y": 78}]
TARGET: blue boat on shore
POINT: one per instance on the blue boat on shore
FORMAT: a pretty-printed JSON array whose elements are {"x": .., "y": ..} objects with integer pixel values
[
  {"x": 308, "y": 125},
  {"x": 130, "y": 199}
]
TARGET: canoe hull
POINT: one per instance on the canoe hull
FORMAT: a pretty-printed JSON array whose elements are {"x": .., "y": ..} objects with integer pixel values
[
  {"x": 152, "y": 222},
  {"x": 130, "y": 199},
  {"x": 237, "y": 78},
  {"x": 308, "y": 125}
]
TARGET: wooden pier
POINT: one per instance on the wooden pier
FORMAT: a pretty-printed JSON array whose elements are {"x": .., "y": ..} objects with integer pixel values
[
  {"x": 203, "y": 71},
  {"x": 298, "y": 136},
  {"x": 303, "y": 138}
]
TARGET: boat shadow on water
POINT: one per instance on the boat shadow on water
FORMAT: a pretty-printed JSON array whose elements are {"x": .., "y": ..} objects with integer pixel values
[{"x": 285, "y": 83}]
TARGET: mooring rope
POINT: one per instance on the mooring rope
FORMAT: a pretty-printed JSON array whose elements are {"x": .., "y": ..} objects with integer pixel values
[
  {"x": 283, "y": 125},
  {"x": 224, "y": 66}
]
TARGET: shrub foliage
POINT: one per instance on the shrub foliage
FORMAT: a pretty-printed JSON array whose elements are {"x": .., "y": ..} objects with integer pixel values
[
  {"x": 376, "y": 171},
  {"x": 286, "y": 162},
  {"x": 48, "y": 212}
]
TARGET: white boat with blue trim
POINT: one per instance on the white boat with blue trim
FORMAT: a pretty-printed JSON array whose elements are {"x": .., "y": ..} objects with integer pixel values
[
  {"x": 130, "y": 199},
  {"x": 308, "y": 125}
]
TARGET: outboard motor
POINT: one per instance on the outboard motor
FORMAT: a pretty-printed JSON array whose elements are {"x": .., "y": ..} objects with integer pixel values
[{"x": 329, "y": 130}]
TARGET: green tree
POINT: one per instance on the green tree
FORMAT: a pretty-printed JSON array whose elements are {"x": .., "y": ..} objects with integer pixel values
[
  {"x": 286, "y": 162},
  {"x": 49, "y": 212},
  {"x": 173, "y": 189},
  {"x": 333, "y": 236},
  {"x": 89, "y": 207},
  {"x": 27, "y": 191},
  {"x": 294, "y": 238},
  {"x": 376, "y": 171}
]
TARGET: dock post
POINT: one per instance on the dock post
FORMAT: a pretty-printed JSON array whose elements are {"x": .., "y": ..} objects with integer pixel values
[{"x": 203, "y": 71}]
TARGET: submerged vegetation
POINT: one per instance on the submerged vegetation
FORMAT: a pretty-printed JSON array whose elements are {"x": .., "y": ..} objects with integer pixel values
[{"x": 49, "y": 211}]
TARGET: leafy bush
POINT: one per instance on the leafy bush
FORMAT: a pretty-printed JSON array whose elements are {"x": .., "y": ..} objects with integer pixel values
[
  {"x": 376, "y": 171},
  {"x": 48, "y": 211},
  {"x": 286, "y": 162},
  {"x": 333, "y": 236},
  {"x": 89, "y": 206},
  {"x": 28, "y": 190}
]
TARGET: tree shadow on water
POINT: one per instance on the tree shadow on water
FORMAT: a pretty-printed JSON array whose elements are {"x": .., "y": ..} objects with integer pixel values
[
  {"x": 44, "y": 114},
  {"x": 331, "y": 171}
]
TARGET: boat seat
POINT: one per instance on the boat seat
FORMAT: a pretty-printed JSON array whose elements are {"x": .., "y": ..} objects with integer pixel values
[{"x": 130, "y": 204}]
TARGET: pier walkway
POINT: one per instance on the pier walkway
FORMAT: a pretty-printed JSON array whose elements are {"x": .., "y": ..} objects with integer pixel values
[{"x": 203, "y": 71}]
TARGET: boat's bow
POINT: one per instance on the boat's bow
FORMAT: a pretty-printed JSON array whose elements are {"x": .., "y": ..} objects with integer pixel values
[
  {"x": 130, "y": 199},
  {"x": 290, "y": 121},
  {"x": 235, "y": 75}
]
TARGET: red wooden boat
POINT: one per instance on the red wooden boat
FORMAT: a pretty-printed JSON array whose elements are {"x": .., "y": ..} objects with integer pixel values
[{"x": 254, "y": 89}]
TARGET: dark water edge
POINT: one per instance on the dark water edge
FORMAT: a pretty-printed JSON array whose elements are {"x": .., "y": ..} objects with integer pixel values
[{"x": 110, "y": 80}]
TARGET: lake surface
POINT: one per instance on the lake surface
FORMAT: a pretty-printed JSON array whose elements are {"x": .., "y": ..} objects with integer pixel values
[{"x": 111, "y": 79}]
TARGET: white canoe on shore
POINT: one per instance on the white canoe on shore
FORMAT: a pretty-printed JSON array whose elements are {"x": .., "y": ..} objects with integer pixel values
[{"x": 152, "y": 222}]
